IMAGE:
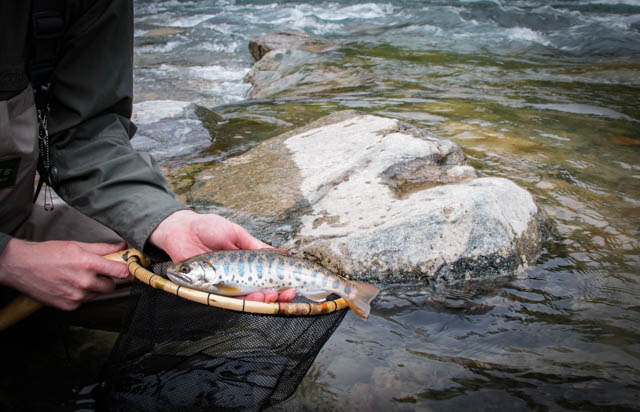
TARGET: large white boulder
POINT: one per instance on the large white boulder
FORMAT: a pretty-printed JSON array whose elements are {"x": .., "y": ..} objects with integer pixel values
[{"x": 378, "y": 200}]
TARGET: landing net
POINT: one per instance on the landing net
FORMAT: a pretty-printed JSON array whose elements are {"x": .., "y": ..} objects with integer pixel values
[{"x": 173, "y": 353}]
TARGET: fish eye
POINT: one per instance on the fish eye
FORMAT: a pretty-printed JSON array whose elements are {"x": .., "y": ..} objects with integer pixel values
[{"x": 184, "y": 269}]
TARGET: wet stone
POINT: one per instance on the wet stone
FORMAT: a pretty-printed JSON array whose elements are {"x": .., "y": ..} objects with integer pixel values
[
  {"x": 168, "y": 129},
  {"x": 374, "y": 199},
  {"x": 290, "y": 63}
]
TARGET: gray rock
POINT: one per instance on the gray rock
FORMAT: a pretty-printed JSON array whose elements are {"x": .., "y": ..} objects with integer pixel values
[
  {"x": 291, "y": 64},
  {"x": 375, "y": 199},
  {"x": 168, "y": 128},
  {"x": 278, "y": 71}
]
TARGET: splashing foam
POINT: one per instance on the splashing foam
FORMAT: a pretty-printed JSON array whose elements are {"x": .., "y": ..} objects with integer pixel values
[{"x": 527, "y": 35}]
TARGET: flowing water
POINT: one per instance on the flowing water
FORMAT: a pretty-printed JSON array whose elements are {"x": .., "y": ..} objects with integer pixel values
[{"x": 546, "y": 93}]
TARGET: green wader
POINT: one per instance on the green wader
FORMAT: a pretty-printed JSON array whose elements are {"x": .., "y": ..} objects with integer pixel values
[{"x": 18, "y": 160}]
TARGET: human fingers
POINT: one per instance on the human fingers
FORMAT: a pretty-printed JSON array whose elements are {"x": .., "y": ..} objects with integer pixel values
[
  {"x": 287, "y": 295},
  {"x": 98, "y": 284},
  {"x": 102, "y": 266},
  {"x": 270, "y": 295},
  {"x": 98, "y": 263},
  {"x": 111, "y": 268},
  {"x": 256, "y": 297}
]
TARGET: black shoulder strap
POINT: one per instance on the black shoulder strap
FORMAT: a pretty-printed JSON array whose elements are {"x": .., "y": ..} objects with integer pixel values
[{"x": 48, "y": 29}]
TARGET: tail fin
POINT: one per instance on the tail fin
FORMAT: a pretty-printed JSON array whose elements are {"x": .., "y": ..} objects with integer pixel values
[{"x": 361, "y": 299}]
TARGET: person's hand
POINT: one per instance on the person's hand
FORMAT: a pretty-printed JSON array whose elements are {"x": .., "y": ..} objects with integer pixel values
[
  {"x": 185, "y": 233},
  {"x": 62, "y": 274}
]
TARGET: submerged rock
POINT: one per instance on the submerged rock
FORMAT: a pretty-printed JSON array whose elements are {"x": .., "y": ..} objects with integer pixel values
[
  {"x": 291, "y": 63},
  {"x": 168, "y": 128},
  {"x": 288, "y": 39},
  {"x": 375, "y": 199}
]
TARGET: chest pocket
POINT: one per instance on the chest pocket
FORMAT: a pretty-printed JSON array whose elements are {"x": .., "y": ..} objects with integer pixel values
[{"x": 18, "y": 159}]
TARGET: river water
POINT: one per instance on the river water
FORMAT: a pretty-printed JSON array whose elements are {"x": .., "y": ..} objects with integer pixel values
[{"x": 546, "y": 93}]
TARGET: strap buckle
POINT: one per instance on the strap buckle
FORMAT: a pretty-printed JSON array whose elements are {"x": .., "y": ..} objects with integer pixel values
[{"x": 48, "y": 25}]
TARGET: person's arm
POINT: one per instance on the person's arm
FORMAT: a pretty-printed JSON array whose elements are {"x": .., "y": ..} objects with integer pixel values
[{"x": 100, "y": 174}]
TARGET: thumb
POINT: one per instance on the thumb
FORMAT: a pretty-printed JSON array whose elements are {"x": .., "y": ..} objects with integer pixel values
[
  {"x": 111, "y": 268},
  {"x": 104, "y": 264}
]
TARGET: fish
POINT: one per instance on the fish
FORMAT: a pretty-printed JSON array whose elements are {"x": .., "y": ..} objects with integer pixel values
[{"x": 241, "y": 272}]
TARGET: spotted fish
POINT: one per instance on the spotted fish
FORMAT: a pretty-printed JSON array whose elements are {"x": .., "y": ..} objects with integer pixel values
[{"x": 240, "y": 272}]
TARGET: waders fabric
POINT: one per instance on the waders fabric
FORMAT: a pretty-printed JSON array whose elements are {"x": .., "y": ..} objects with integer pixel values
[
  {"x": 18, "y": 159},
  {"x": 21, "y": 217}
]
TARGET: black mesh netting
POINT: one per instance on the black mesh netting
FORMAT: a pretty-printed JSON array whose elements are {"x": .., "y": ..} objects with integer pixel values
[{"x": 174, "y": 354}]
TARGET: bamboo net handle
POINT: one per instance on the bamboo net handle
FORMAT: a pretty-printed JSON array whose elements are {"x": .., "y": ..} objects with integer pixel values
[{"x": 134, "y": 260}]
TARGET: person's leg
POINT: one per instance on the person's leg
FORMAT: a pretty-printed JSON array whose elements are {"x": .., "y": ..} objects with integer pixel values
[{"x": 62, "y": 223}]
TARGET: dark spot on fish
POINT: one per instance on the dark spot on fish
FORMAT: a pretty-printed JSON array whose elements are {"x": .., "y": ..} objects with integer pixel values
[
  {"x": 347, "y": 289},
  {"x": 251, "y": 256},
  {"x": 308, "y": 265},
  {"x": 270, "y": 259},
  {"x": 259, "y": 267},
  {"x": 249, "y": 279},
  {"x": 233, "y": 257},
  {"x": 280, "y": 268},
  {"x": 336, "y": 284},
  {"x": 292, "y": 262}
]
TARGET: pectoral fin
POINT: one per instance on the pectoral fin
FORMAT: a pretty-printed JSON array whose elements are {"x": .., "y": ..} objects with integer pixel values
[{"x": 227, "y": 290}]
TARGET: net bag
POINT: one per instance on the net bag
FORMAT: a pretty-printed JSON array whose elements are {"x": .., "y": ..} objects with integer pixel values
[{"x": 173, "y": 353}]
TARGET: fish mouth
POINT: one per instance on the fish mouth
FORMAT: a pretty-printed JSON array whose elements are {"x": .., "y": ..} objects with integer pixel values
[{"x": 179, "y": 277}]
